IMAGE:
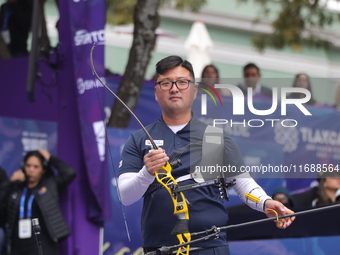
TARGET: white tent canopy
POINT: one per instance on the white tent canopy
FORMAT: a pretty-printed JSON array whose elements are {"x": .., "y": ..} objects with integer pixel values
[{"x": 197, "y": 45}]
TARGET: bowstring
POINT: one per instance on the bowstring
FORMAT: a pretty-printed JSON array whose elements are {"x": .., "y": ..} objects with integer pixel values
[
  {"x": 111, "y": 157},
  {"x": 178, "y": 153}
]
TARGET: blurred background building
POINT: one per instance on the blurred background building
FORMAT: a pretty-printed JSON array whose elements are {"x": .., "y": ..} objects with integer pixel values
[{"x": 231, "y": 27}]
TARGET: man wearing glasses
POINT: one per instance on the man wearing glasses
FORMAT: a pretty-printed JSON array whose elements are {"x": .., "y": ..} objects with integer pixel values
[{"x": 175, "y": 92}]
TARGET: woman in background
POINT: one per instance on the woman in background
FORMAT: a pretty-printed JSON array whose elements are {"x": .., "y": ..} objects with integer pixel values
[
  {"x": 302, "y": 81},
  {"x": 337, "y": 98},
  {"x": 33, "y": 192},
  {"x": 325, "y": 193},
  {"x": 210, "y": 76}
]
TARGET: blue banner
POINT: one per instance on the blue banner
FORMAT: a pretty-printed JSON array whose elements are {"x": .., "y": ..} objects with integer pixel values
[
  {"x": 18, "y": 136},
  {"x": 294, "y": 146}
]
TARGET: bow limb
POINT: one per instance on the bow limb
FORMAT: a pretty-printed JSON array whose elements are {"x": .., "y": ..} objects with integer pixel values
[
  {"x": 181, "y": 230},
  {"x": 120, "y": 100},
  {"x": 107, "y": 140}
]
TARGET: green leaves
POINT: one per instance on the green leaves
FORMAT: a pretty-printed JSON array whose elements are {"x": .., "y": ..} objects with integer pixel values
[
  {"x": 120, "y": 12},
  {"x": 193, "y": 5},
  {"x": 297, "y": 23}
]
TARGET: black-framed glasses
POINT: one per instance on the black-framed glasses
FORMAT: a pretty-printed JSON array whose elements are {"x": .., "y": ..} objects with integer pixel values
[{"x": 181, "y": 84}]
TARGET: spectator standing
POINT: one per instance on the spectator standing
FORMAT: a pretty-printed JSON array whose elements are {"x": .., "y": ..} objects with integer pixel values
[
  {"x": 323, "y": 194},
  {"x": 32, "y": 192},
  {"x": 337, "y": 99},
  {"x": 210, "y": 72},
  {"x": 252, "y": 76},
  {"x": 210, "y": 76},
  {"x": 15, "y": 25},
  {"x": 302, "y": 81}
]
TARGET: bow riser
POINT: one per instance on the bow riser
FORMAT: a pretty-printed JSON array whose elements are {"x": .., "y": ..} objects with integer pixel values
[{"x": 181, "y": 210}]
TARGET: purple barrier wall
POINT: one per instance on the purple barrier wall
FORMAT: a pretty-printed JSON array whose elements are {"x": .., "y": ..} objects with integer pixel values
[{"x": 57, "y": 102}]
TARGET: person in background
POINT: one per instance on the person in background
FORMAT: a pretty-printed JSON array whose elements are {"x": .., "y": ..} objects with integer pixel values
[
  {"x": 33, "y": 192},
  {"x": 323, "y": 194},
  {"x": 283, "y": 195},
  {"x": 3, "y": 180},
  {"x": 210, "y": 72},
  {"x": 337, "y": 99},
  {"x": 210, "y": 76},
  {"x": 252, "y": 76},
  {"x": 15, "y": 25},
  {"x": 337, "y": 196},
  {"x": 302, "y": 81}
]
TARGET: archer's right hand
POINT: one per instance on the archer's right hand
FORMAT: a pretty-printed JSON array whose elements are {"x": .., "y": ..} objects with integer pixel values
[{"x": 154, "y": 160}]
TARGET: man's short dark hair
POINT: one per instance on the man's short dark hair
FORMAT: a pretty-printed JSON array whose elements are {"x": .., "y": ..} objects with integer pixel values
[
  {"x": 173, "y": 61},
  {"x": 251, "y": 65}
]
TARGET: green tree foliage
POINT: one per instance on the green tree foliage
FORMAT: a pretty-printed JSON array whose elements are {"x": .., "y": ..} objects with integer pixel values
[
  {"x": 296, "y": 23},
  {"x": 144, "y": 14},
  {"x": 193, "y": 5},
  {"x": 120, "y": 12}
]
